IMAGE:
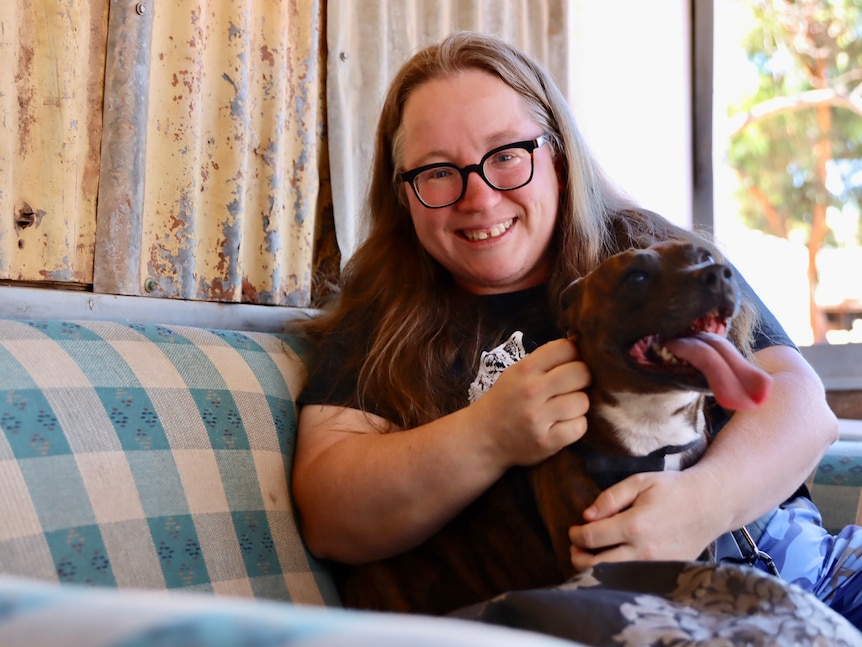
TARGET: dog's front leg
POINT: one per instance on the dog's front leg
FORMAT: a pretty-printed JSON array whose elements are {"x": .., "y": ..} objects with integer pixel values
[{"x": 562, "y": 490}]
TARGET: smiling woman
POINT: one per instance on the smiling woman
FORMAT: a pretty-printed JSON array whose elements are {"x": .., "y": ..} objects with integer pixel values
[
  {"x": 393, "y": 453},
  {"x": 490, "y": 237}
]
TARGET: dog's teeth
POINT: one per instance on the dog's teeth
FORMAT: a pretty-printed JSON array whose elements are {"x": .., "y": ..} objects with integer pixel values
[{"x": 666, "y": 355}]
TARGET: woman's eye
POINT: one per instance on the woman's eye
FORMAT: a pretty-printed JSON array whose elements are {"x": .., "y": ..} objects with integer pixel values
[{"x": 437, "y": 174}]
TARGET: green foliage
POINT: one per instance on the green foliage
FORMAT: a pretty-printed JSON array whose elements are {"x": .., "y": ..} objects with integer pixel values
[{"x": 797, "y": 48}]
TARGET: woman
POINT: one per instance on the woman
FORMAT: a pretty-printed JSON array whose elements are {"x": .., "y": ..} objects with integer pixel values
[{"x": 466, "y": 247}]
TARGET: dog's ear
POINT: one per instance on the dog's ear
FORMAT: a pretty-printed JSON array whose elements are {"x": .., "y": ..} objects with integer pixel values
[
  {"x": 570, "y": 294},
  {"x": 569, "y": 297}
]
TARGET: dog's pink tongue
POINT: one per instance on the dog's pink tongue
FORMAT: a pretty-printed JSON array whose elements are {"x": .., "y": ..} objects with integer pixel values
[{"x": 735, "y": 382}]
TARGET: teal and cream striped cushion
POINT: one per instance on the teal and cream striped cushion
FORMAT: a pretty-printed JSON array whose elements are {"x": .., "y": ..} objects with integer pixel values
[
  {"x": 837, "y": 485},
  {"x": 152, "y": 457}
]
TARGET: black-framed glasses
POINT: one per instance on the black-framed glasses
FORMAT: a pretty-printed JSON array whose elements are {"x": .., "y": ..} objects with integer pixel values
[{"x": 505, "y": 168}]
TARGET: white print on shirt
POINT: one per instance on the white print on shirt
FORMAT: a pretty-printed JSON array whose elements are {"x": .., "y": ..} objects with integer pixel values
[{"x": 494, "y": 362}]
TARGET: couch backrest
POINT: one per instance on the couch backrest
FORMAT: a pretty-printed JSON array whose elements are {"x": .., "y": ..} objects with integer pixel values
[{"x": 152, "y": 456}]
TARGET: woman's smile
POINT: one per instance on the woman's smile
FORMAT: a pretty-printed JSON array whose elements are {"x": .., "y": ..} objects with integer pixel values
[{"x": 494, "y": 231}]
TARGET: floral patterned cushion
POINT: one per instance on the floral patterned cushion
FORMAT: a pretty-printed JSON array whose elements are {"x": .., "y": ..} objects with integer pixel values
[{"x": 672, "y": 603}]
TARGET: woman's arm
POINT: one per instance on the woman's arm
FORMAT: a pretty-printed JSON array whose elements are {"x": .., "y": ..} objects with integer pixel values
[
  {"x": 755, "y": 463},
  {"x": 365, "y": 495}
]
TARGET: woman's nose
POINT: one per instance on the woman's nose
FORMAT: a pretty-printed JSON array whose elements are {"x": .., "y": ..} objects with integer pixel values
[{"x": 478, "y": 194}]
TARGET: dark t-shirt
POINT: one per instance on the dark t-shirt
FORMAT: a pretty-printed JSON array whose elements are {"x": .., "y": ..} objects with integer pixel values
[{"x": 527, "y": 311}]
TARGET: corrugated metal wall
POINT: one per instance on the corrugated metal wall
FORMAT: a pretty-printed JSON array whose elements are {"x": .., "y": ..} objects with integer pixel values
[
  {"x": 209, "y": 158},
  {"x": 178, "y": 148},
  {"x": 234, "y": 129},
  {"x": 50, "y": 133},
  {"x": 233, "y": 139}
]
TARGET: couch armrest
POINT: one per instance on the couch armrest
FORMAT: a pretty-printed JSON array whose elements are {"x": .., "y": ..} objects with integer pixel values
[{"x": 72, "y": 616}]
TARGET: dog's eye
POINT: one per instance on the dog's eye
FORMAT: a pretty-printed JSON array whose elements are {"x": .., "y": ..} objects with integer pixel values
[
  {"x": 634, "y": 277},
  {"x": 706, "y": 257}
]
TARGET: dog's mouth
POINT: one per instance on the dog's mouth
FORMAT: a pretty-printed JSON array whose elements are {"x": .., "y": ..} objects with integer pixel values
[
  {"x": 702, "y": 358},
  {"x": 652, "y": 353}
]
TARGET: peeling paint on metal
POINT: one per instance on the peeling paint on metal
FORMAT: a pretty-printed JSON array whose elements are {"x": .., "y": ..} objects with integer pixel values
[
  {"x": 51, "y": 107},
  {"x": 233, "y": 155},
  {"x": 234, "y": 137}
]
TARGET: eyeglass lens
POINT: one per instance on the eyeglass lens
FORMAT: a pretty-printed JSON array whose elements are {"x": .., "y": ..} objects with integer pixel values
[{"x": 506, "y": 169}]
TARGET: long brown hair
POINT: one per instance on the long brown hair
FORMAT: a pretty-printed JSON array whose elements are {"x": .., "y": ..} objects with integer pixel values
[{"x": 410, "y": 323}]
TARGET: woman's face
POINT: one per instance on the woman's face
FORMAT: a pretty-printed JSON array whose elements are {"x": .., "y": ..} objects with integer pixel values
[{"x": 491, "y": 241}]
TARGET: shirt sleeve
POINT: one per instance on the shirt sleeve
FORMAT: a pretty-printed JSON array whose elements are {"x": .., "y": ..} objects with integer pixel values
[
  {"x": 768, "y": 331},
  {"x": 328, "y": 382}
]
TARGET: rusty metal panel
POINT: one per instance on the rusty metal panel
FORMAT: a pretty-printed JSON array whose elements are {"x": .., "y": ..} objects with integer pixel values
[
  {"x": 53, "y": 57},
  {"x": 119, "y": 220},
  {"x": 234, "y": 141}
]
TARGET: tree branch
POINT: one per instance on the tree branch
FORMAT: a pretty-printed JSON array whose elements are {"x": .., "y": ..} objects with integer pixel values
[{"x": 835, "y": 97}]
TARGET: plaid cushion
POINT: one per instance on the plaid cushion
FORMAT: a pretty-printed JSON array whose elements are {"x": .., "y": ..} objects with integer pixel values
[
  {"x": 836, "y": 485},
  {"x": 152, "y": 456}
]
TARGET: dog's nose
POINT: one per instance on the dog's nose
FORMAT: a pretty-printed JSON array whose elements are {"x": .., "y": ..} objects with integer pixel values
[{"x": 715, "y": 275}]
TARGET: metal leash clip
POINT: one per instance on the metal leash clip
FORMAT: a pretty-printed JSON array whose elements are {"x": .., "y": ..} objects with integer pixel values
[{"x": 751, "y": 554}]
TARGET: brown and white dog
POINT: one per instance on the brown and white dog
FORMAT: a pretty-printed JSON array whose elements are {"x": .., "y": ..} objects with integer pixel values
[{"x": 651, "y": 325}]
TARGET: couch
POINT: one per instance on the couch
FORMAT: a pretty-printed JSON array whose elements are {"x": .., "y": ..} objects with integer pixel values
[{"x": 145, "y": 494}]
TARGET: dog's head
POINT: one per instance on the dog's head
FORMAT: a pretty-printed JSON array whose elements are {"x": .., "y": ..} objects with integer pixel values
[{"x": 655, "y": 319}]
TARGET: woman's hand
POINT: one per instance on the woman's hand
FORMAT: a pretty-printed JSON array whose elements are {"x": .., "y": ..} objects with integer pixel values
[
  {"x": 754, "y": 464},
  {"x": 537, "y": 406},
  {"x": 365, "y": 495},
  {"x": 650, "y": 516}
]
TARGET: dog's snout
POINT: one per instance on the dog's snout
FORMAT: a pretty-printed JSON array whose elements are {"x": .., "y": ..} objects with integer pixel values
[{"x": 715, "y": 275}]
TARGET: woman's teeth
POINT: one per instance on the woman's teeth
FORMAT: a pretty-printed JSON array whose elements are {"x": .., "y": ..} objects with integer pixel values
[{"x": 484, "y": 234}]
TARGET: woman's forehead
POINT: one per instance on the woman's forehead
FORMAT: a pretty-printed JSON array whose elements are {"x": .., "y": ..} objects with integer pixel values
[{"x": 465, "y": 113}]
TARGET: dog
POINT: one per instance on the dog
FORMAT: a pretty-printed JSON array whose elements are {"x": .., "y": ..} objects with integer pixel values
[{"x": 651, "y": 326}]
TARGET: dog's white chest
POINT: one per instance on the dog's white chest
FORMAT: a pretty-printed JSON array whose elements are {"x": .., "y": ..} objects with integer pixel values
[{"x": 645, "y": 422}]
